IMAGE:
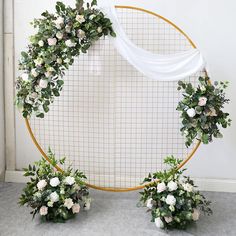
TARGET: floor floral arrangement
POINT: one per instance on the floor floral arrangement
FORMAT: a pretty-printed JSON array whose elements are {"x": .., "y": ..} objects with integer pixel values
[
  {"x": 56, "y": 196},
  {"x": 172, "y": 199}
]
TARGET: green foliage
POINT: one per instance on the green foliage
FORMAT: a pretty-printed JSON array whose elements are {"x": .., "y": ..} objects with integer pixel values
[
  {"x": 188, "y": 201},
  {"x": 202, "y": 110},
  {"x": 44, "y": 63},
  {"x": 36, "y": 196}
]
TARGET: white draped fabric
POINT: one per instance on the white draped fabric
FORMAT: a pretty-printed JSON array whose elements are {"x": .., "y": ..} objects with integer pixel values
[{"x": 154, "y": 66}]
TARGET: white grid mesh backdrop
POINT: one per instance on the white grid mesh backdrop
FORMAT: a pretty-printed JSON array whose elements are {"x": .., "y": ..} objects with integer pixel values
[{"x": 110, "y": 121}]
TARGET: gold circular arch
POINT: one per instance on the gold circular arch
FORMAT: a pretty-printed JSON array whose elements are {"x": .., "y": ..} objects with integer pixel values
[{"x": 141, "y": 186}]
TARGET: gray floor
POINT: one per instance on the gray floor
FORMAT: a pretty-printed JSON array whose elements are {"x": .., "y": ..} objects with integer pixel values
[{"x": 112, "y": 214}]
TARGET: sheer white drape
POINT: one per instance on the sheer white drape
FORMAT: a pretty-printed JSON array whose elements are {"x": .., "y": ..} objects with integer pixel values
[{"x": 154, "y": 66}]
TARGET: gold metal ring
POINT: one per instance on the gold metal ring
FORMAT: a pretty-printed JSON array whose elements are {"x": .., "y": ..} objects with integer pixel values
[{"x": 141, "y": 186}]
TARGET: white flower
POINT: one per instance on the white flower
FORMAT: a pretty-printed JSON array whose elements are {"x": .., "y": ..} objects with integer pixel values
[
  {"x": 159, "y": 223},
  {"x": 59, "y": 22},
  {"x": 50, "y": 204},
  {"x": 69, "y": 180},
  {"x": 59, "y": 60},
  {"x": 54, "y": 197},
  {"x": 202, "y": 101},
  {"x": 41, "y": 184},
  {"x": 191, "y": 112},
  {"x": 68, "y": 203},
  {"x": 80, "y": 18},
  {"x": 38, "y": 61},
  {"x": 188, "y": 187},
  {"x": 212, "y": 112},
  {"x": 54, "y": 182},
  {"x": 76, "y": 208},
  {"x": 99, "y": 29},
  {"x": 168, "y": 219},
  {"x": 195, "y": 214},
  {"x": 41, "y": 43},
  {"x": 172, "y": 186},
  {"x": 25, "y": 76},
  {"x": 149, "y": 203},
  {"x": 87, "y": 203},
  {"x": 68, "y": 29},
  {"x": 59, "y": 35},
  {"x": 34, "y": 72},
  {"x": 43, "y": 83},
  {"x": 69, "y": 43},
  {"x": 80, "y": 34},
  {"x": 161, "y": 187},
  {"x": 43, "y": 211},
  {"x": 52, "y": 41},
  {"x": 34, "y": 95},
  {"x": 170, "y": 200}
]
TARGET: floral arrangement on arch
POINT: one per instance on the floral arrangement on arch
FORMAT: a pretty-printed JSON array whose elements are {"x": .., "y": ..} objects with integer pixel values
[
  {"x": 60, "y": 37},
  {"x": 56, "y": 196},
  {"x": 202, "y": 110},
  {"x": 172, "y": 199}
]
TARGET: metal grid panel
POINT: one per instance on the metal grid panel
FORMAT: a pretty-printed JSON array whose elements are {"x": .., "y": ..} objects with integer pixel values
[{"x": 110, "y": 121}]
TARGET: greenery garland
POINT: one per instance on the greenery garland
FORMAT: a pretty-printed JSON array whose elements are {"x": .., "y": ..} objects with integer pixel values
[
  {"x": 202, "y": 110},
  {"x": 59, "y": 39}
]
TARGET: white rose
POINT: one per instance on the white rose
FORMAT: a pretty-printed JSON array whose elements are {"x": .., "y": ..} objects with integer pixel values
[
  {"x": 41, "y": 43},
  {"x": 161, "y": 187},
  {"x": 34, "y": 72},
  {"x": 80, "y": 18},
  {"x": 99, "y": 29},
  {"x": 43, "y": 83},
  {"x": 68, "y": 29},
  {"x": 170, "y": 200},
  {"x": 52, "y": 41},
  {"x": 54, "y": 197},
  {"x": 149, "y": 203},
  {"x": 54, "y": 182},
  {"x": 38, "y": 61},
  {"x": 159, "y": 223},
  {"x": 195, "y": 214},
  {"x": 34, "y": 95},
  {"x": 59, "y": 35},
  {"x": 69, "y": 180},
  {"x": 69, "y": 43},
  {"x": 172, "y": 186},
  {"x": 191, "y": 112},
  {"x": 43, "y": 211},
  {"x": 80, "y": 34},
  {"x": 68, "y": 203},
  {"x": 41, "y": 184},
  {"x": 76, "y": 208},
  {"x": 188, "y": 187},
  {"x": 168, "y": 219},
  {"x": 59, "y": 60},
  {"x": 50, "y": 204},
  {"x": 59, "y": 22},
  {"x": 25, "y": 76},
  {"x": 202, "y": 101}
]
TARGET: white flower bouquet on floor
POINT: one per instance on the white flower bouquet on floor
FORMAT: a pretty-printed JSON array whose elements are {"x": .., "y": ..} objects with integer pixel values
[
  {"x": 172, "y": 198},
  {"x": 56, "y": 196}
]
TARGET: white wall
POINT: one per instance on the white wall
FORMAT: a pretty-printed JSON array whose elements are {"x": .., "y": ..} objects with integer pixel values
[
  {"x": 211, "y": 26},
  {"x": 2, "y": 148}
]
